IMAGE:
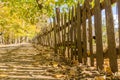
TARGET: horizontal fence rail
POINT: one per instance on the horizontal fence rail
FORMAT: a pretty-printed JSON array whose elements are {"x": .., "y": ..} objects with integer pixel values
[{"x": 72, "y": 36}]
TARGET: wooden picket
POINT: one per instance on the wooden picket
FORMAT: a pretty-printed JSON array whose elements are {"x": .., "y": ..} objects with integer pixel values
[
  {"x": 118, "y": 4},
  {"x": 98, "y": 32},
  {"x": 90, "y": 30},
  {"x": 68, "y": 35},
  {"x": 111, "y": 36},
  {"x": 79, "y": 45}
]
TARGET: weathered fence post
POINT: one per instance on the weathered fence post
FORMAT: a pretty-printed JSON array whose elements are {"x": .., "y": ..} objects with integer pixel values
[
  {"x": 54, "y": 28},
  {"x": 90, "y": 34},
  {"x": 71, "y": 33},
  {"x": 62, "y": 31},
  {"x": 64, "y": 35},
  {"x": 68, "y": 36},
  {"x": 79, "y": 45},
  {"x": 98, "y": 34},
  {"x": 118, "y": 4},
  {"x": 75, "y": 32},
  {"x": 111, "y": 36},
  {"x": 84, "y": 33},
  {"x": 58, "y": 28}
]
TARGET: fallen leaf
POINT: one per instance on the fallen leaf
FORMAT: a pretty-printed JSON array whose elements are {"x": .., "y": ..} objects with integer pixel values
[
  {"x": 107, "y": 69},
  {"x": 3, "y": 75},
  {"x": 35, "y": 63},
  {"x": 55, "y": 64},
  {"x": 99, "y": 78},
  {"x": 58, "y": 75}
]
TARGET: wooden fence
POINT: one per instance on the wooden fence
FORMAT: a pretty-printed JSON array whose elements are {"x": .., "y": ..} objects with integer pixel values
[{"x": 72, "y": 33}]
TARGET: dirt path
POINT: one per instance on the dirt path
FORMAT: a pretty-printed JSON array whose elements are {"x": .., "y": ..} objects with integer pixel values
[
  {"x": 31, "y": 62},
  {"x": 24, "y": 62}
]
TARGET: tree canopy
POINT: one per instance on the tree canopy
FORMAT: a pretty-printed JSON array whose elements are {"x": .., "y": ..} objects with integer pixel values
[{"x": 20, "y": 17}]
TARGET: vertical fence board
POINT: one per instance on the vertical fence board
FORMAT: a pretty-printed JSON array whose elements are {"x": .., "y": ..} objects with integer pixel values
[
  {"x": 98, "y": 33},
  {"x": 91, "y": 42},
  {"x": 84, "y": 34},
  {"x": 55, "y": 43},
  {"x": 111, "y": 36},
  {"x": 50, "y": 38},
  {"x": 64, "y": 35},
  {"x": 118, "y": 6},
  {"x": 58, "y": 29},
  {"x": 79, "y": 45},
  {"x": 75, "y": 33},
  {"x": 71, "y": 33},
  {"x": 90, "y": 36},
  {"x": 58, "y": 25},
  {"x": 68, "y": 36}
]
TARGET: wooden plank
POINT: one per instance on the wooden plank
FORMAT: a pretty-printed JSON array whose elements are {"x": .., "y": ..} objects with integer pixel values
[
  {"x": 98, "y": 33},
  {"x": 51, "y": 35},
  {"x": 61, "y": 31},
  {"x": 91, "y": 42},
  {"x": 68, "y": 36},
  {"x": 62, "y": 28},
  {"x": 75, "y": 33},
  {"x": 47, "y": 36},
  {"x": 64, "y": 35},
  {"x": 42, "y": 40},
  {"x": 90, "y": 33},
  {"x": 111, "y": 36},
  {"x": 55, "y": 42},
  {"x": 71, "y": 32},
  {"x": 118, "y": 8},
  {"x": 48, "y": 39},
  {"x": 79, "y": 45},
  {"x": 84, "y": 34},
  {"x": 51, "y": 42},
  {"x": 58, "y": 25},
  {"x": 45, "y": 40},
  {"x": 52, "y": 39}
]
